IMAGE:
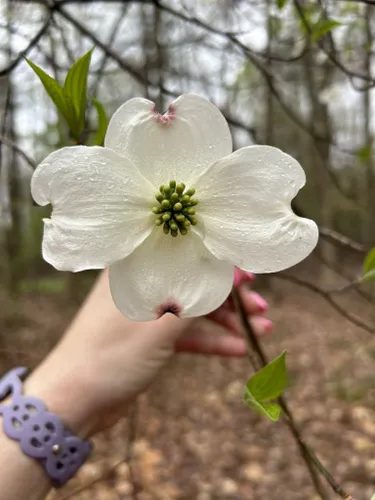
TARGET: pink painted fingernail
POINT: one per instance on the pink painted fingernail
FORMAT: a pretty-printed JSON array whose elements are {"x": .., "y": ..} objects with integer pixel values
[
  {"x": 261, "y": 303},
  {"x": 242, "y": 277},
  {"x": 268, "y": 326},
  {"x": 249, "y": 277},
  {"x": 237, "y": 277}
]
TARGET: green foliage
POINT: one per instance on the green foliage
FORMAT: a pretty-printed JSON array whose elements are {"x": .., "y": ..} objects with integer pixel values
[
  {"x": 70, "y": 99},
  {"x": 309, "y": 18},
  {"x": 247, "y": 75},
  {"x": 312, "y": 24},
  {"x": 351, "y": 8},
  {"x": 75, "y": 86},
  {"x": 47, "y": 286},
  {"x": 364, "y": 154},
  {"x": 281, "y": 3},
  {"x": 322, "y": 27},
  {"x": 352, "y": 390},
  {"x": 266, "y": 385},
  {"x": 276, "y": 25},
  {"x": 369, "y": 266},
  {"x": 29, "y": 254},
  {"x": 102, "y": 123},
  {"x": 61, "y": 100}
]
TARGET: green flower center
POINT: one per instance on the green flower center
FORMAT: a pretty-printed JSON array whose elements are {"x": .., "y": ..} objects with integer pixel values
[{"x": 175, "y": 211}]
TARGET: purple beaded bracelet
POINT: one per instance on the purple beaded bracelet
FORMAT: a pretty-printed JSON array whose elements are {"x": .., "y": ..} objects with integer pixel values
[{"x": 40, "y": 433}]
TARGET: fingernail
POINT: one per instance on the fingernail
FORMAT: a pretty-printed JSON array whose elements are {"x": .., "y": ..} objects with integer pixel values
[
  {"x": 242, "y": 276},
  {"x": 249, "y": 277},
  {"x": 268, "y": 326},
  {"x": 261, "y": 303},
  {"x": 237, "y": 277}
]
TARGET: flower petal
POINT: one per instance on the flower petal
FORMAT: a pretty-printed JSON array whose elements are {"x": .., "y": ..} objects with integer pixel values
[
  {"x": 244, "y": 201},
  {"x": 166, "y": 273},
  {"x": 101, "y": 207},
  {"x": 179, "y": 145}
]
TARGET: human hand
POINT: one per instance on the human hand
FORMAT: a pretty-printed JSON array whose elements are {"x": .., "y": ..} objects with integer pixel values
[{"x": 105, "y": 360}]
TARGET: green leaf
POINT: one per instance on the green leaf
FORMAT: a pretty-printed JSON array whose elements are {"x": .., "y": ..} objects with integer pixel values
[
  {"x": 75, "y": 86},
  {"x": 62, "y": 102},
  {"x": 270, "y": 410},
  {"x": 270, "y": 381},
  {"x": 322, "y": 27},
  {"x": 364, "y": 153},
  {"x": 281, "y": 3},
  {"x": 369, "y": 266},
  {"x": 308, "y": 19},
  {"x": 102, "y": 123},
  {"x": 266, "y": 385},
  {"x": 373, "y": 497}
]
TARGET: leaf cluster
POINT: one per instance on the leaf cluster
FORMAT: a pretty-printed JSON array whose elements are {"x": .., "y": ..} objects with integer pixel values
[{"x": 70, "y": 98}]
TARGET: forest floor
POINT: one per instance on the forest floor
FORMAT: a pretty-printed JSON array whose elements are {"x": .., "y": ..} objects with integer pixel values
[{"x": 194, "y": 439}]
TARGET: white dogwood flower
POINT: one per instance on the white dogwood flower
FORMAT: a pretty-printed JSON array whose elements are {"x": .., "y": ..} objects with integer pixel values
[{"x": 170, "y": 209}]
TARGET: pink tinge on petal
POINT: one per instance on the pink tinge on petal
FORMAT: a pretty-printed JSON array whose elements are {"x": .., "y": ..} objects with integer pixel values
[
  {"x": 169, "y": 306},
  {"x": 242, "y": 277},
  {"x": 167, "y": 118}
]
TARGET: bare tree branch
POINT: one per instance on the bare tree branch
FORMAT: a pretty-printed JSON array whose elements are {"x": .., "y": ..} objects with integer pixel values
[
  {"x": 341, "y": 240},
  {"x": 308, "y": 455},
  {"x": 327, "y": 296},
  {"x": 114, "y": 31},
  {"x": 23, "y": 53},
  {"x": 12, "y": 145}
]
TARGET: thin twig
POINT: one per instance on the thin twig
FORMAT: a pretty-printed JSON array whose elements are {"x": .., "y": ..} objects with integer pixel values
[
  {"x": 32, "y": 43},
  {"x": 253, "y": 58},
  {"x": 345, "y": 288},
  {"x": 341, "y": 240},
  {"x": 135, "y": 73},
  {"x": 138, "y": 75},
  {"x": 114, "y": 32},
  {"x": 4, "y": 119},
  {"x": 12, "y": 145},
  {"x": 258, "y": 359},
  {"x": 99, "y": 479},
  {"x": 353, "y": 284},
  {"x": 308, "y": 455},
  {"x": 333, "y": 236},
  {"x": 327, "y": 296},
  {"x": 132, "y": 419},
  {"x": 332, "y": 56}
]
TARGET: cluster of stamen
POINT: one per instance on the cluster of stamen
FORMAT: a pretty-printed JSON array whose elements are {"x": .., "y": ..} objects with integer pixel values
[{"x": 175, "y": 211}]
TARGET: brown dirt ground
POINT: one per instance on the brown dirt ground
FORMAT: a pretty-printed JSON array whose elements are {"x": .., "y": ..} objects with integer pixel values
[{"x": 195, "y": 439}]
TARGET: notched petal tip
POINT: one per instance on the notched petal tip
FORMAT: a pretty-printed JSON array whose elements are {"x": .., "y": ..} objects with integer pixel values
[
  {"x": 169, "y": 306},
  {"x": 166, "y": 118}
]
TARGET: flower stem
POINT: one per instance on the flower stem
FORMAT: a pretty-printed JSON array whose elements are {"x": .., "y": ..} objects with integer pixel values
[{"x": 258, "y": 359}]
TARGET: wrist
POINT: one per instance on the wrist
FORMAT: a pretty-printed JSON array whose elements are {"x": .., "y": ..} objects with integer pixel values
[{"x": 65, "y": 394}]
